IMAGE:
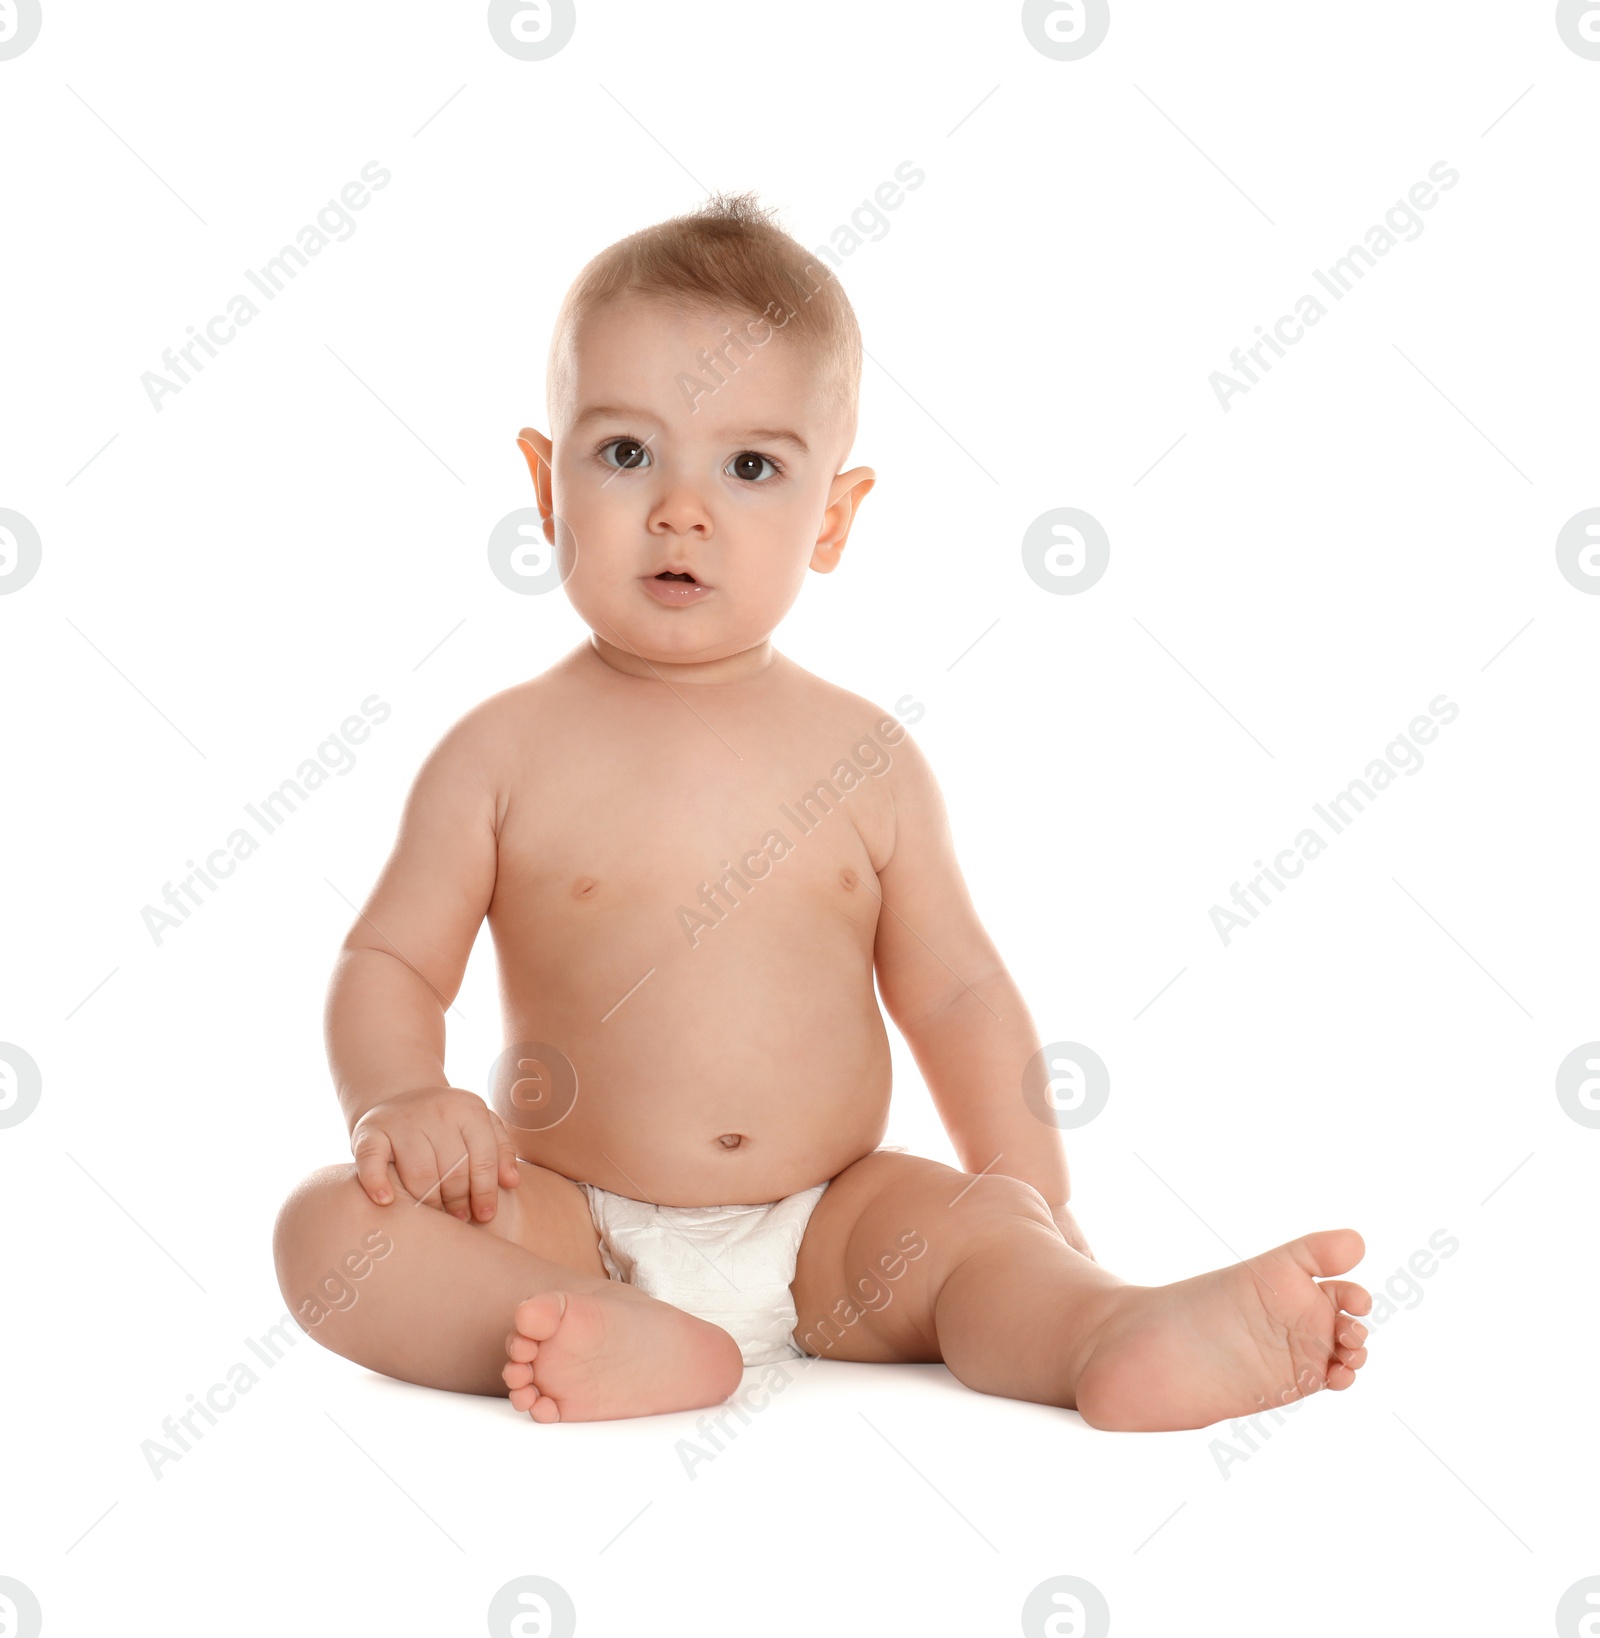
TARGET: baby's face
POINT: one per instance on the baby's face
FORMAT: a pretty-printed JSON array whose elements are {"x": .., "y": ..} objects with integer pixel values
[{"x": 689, "y": 511}]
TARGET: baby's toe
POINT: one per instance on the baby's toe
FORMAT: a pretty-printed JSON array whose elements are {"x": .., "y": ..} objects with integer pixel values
[
  {"x": 1332, "y": 1251},
  {"x": 1350, "y": 1333},
  {"x": 521, "y": 1349},
  {"x": 1340, "y": 1376},
  {"x": 524, "y": 1398},
  {"x": 544, "y": 1409},
  {"x": 1348, "y": 1296},
  {"x": 516, "y": 1376},
  {"x": 540, "y": 1317}
]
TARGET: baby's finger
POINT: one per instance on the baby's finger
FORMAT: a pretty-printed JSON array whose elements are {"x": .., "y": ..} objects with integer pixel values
[
  {"x": 455, "y": 1182},
  {"x": 373, "y": 1153},
  {"x": 483, "y": 1166},
  {"x": 510, "y": 1171},
  {"x": 419, "y": 1170}
]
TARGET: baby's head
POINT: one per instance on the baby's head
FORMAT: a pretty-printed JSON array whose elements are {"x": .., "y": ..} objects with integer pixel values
[{"x": 702, "y": 391}]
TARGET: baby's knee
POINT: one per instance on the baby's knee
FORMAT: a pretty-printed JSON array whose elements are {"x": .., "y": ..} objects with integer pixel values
[
  {"x": 328, "y": 1215},
  {"x": 997, "y": 1198}
]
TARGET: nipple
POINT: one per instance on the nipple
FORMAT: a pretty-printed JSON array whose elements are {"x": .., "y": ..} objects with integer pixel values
[{"x": 730, "y": 1140}]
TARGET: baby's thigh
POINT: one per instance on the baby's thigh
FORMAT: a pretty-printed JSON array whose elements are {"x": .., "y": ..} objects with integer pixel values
[
  {"x": 873, "y": 1258},
  {"x": 547, "y": 1214},
  {"x": 886, "y": 1234}
]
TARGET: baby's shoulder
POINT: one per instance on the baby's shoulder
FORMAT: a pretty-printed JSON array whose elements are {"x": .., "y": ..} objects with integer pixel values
[
  {"x": 843, "y": 711},
  {"x": 500, "y": 731}
]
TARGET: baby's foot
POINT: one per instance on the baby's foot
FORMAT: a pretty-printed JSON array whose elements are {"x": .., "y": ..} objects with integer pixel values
[
  {"x": 592, "y": 1356},
  {"x": 1229, "y": 1343}
]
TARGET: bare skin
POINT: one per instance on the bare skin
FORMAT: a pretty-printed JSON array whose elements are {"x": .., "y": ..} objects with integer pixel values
[{"x": 695, "y": 857}]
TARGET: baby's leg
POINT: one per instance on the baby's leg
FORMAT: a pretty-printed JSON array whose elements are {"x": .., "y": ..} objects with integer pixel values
[
  {"x": 521, "y": 1302},
  {"x": 905, "y": 1259}
]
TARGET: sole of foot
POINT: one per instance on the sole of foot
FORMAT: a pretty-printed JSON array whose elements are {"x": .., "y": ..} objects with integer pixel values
[
  {"x": 598, "y": 1356},
  {"x": 1242, "y": 1339}
]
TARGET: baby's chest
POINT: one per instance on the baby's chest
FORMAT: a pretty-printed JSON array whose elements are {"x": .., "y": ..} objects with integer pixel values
[{"x": 625, "y": 842}]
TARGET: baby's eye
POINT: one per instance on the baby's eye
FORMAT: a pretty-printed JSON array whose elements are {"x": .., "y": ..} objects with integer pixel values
[
  {"x": 631, "y": 453},
  {"x": 747, "y": 464}
]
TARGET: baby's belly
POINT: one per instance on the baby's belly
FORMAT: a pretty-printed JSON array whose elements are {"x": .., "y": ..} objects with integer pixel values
[{"x": 733, "y": 1075}]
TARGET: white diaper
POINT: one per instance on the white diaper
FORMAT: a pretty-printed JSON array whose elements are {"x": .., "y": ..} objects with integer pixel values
[{"x": 731, "y": 1265}]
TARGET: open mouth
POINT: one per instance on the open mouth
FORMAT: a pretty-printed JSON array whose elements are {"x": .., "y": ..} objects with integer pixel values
[{"x": 676, "y": 588}]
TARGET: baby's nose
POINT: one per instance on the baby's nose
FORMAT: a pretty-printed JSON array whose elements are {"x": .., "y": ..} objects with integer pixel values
[{"x": 681, "y": 511}]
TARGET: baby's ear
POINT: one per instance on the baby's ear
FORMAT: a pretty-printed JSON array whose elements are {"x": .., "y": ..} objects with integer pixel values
[
  {"x": 848, "y": 491},
  {"x": 537, "y": 450}
]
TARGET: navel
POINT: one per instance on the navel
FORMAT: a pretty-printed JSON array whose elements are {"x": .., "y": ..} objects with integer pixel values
[{"x": 731, "y": 1140}]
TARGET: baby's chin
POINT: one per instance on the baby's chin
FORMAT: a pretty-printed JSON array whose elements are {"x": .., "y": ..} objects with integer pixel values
[
  {"x": 698, "y": 634},
  {"x": 673, "y": 637}
]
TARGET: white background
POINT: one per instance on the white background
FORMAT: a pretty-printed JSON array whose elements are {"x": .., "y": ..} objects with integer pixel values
[{"x": 305, "y": 526}]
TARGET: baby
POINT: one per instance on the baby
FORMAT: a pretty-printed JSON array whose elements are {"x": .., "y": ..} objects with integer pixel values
[{"x": 695, "y": 857}]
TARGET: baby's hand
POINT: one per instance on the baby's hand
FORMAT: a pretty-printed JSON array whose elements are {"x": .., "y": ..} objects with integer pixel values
[{"x": 448, "y": 1146}]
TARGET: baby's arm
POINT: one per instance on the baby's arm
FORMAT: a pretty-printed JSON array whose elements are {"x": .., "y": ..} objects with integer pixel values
[
  {"x": 951, "y": 997},
  {"x": 399, "y": 969}
]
